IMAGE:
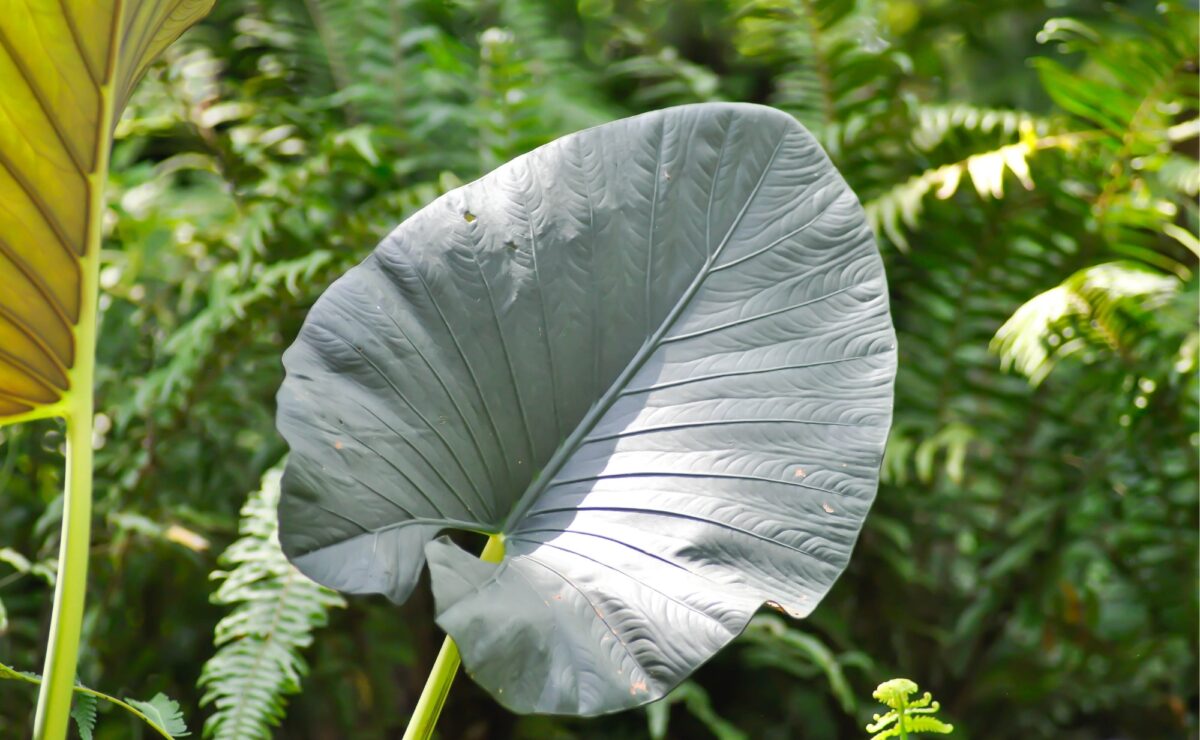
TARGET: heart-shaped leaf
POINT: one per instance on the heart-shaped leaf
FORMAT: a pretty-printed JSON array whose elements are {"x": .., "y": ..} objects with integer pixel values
[
  {"x": 67, "y": 68},
  {"x": 654, "y": 356}
]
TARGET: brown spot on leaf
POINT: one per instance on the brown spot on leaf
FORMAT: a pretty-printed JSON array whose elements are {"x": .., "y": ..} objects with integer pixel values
[
  {"x": 337, "y": 444},
  {"x": 636, "y": 687},
  {"x": 800, "y": 473},
  {"x": 828, "y": 509}
]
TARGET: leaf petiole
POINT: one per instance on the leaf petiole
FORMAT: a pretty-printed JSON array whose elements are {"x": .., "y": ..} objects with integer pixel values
[{"x": 441, "y": 676}]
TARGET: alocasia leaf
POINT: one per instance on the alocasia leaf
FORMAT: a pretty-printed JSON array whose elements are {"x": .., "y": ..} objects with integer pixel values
[
  {"x": 654, "y": 356},
  {"x": 67, "y": 68}
]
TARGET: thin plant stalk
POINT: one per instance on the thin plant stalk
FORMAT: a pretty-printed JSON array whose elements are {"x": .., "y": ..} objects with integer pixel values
[
  {"x": 441, "y": 676},
  {"x": 77, "y": 408},
  {"x": 62, "y": 652},
  {"x": 6, "y": 672}
]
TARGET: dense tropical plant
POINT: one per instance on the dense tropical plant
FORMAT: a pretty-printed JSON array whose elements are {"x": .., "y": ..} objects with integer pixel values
[
  {"x": 66, "y": 71},
  {"x": 1041, "y": 537}
]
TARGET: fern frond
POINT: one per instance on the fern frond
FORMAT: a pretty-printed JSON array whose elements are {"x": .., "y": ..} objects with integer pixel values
[
  {"x": 835, "y": 64},
  {"x": 1097, "y": 306},
  {"x": 83, "y": 711},
  {"x": 1127, "y": 74},
  {"x": 1126, "y": 96},
  {"x": 275, "y": 611},
  {"x": 953, "y": 439},
  {"x": 1181, "y": 174},
  {"x": 345, "y": 52},
  {"x": 232, "y": 296},
  {"x": 934, "y": 123},
  {"x": 666, "y": 78},
  {"x": 1132, "y": 89},
  {"x": 901, "y": 206},
  {"x": 509, "y": 99}
]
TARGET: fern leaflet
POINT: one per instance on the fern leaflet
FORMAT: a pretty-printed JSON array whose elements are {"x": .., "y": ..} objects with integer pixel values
[{"x": 275, "y": 611}]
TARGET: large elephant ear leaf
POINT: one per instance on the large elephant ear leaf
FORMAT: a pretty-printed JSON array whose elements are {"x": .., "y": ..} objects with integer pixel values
[
  {"x": 67, "y": 68},
  {"x": 655, "y": 357}
]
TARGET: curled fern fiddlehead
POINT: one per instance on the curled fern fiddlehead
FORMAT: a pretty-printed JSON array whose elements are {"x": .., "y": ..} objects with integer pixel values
[{"x": 907, "y": 715}]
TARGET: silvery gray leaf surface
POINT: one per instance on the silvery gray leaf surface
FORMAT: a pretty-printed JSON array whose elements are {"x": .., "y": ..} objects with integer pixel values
[{"x": 655, "y": 355}]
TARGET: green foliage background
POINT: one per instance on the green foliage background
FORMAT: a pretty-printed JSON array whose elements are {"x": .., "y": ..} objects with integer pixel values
[{"x": 1032, "y": 168}]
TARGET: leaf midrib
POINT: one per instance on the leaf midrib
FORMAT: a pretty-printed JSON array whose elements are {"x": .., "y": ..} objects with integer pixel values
[{"x": 648, "y": 348}]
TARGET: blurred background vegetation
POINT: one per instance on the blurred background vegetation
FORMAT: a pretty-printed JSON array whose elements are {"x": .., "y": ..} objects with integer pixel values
[{"x": 1031, "y": 167}]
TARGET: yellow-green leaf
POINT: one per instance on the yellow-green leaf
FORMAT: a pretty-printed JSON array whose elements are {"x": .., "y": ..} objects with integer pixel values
[{"x": 67, "y": 68}]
